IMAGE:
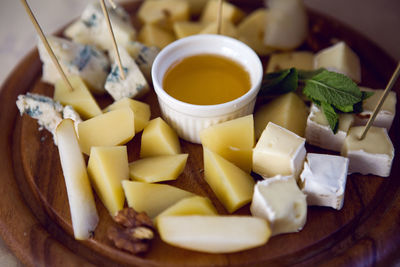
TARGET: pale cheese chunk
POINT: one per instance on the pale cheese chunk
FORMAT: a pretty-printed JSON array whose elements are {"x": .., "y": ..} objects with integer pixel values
[
  {"x": 134, "y": 84},
  {"x": 281, "y": 202},
  {"x": 107, "y": 168},
  {"x": 186, "y": 28},
  {"x": 75, "y": 59},
  {"x": 230, "y": 12},
  {"x": 324, "y": 179},
  {"x": 227, "y": 28},
  {"x": 153, "y": 35},
  {"x": 339, "y": 58},
  {"x": 371, "y": 155},
  {"x": 278, "y": 152},
  {"x": 320, "y": 134},
  {"x": 302, "y": 60},
  {"x": 385, "y": 116},
  {"x": 91, "y": 28}
]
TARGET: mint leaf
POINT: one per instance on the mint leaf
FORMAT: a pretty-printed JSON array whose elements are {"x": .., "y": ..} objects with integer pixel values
[
  {"x": 333, "y": 88},
  {"x": 308, "y": 74},
  {"x": 278, "y": 83},
  {"x": 331, "y": 116}
]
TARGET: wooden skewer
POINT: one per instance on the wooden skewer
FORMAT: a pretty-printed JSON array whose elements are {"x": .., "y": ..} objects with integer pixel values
[
  {"x": 381, "y": 100},
  {"x": 219, "y": 17},
  {"x": 113, "y": 5},
  {"x": 121, "y": 69},
  {"x": 46, "y": 44}
]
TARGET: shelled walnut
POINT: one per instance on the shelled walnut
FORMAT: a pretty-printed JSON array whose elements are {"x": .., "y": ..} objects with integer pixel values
[{"x": 134, "y": 232}]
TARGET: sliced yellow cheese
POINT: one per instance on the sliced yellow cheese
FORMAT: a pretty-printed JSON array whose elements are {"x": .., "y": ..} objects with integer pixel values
[
  {"x": 152, "y": 35},
  {"x": 112, "y": 128},
  {"x": 187, "y": 28},
  {"x": 232, "y": 186},
  {"x": 158, "y": 168},
  {"x": 230, "y": 12},
  {"x": 301, "y": 60},
  {"x": 227, "y": 28},
  {"x": 152, "y": 198},
  {"x": 107, "y": 168},
  {"x": 80, "y": 98}
]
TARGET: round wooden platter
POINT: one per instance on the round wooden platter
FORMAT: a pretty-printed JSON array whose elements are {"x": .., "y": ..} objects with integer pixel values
[{"x": 34, "y": 211}]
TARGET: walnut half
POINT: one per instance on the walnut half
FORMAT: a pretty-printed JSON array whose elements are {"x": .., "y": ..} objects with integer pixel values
[{"x": 134, "y": 234}]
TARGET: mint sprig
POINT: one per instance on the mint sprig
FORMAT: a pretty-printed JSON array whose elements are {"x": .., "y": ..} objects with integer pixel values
[{"x": 335, "y": 93}]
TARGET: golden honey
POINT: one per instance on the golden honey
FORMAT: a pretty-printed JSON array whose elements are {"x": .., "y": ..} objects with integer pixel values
[{"x": 206, "y": 79}]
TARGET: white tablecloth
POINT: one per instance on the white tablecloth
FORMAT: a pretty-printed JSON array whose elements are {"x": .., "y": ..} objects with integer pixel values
[{"x": 378, "y": 20}]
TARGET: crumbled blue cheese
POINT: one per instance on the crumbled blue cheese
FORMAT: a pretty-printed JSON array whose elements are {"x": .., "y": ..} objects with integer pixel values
[
  {"x": 134, "y": 84},
  {"x": 144, "y": 56},
  {"x": 92, "y": 27},
  {"x": 86, "y": 61},
  {"x": 46, "y": 111}
]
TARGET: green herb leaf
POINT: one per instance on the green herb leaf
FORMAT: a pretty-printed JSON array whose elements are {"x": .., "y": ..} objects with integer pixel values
[
  {"x": 278, "y": 83},
  {"x": 308, "y": 74},
  {"x": 331, "y": 116},
  {"x": 333, "y": 88}
]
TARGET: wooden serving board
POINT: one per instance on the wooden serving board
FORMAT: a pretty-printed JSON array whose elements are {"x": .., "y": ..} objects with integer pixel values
[{"x": 34, "y": 211}]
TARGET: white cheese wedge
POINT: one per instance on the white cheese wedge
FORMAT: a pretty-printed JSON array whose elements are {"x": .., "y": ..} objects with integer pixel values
[
  {"x": 320, "y": 134},
  {"x": 324, "y": 179},
  {"x": 92, "y": 27},
  {"x": 302, "y": 60},
  {"x": 339, "y": 58},
  {"x": 281, "y": 202},
  {"x": 385, "y": 116},
  {"x": 75, "y": 59},
  {"x": 134, "y": 84},
  {"x": 278, "y": 151},
  {"x": 143, "y": 55},
  {"x": 371, "y": 155},
  {"x": 70, "y": 113}
]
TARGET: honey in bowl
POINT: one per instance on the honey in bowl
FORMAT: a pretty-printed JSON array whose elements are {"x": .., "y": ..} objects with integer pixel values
[{"x": 206, "y": 79}]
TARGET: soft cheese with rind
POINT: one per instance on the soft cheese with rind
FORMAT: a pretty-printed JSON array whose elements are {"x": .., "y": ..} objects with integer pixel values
[
  {"x": 278, "y": 152},
  {"x": 323, "y": 180},
  {"x": 319, "y": 133},
  {"x": 372, "y": 155},
  {"x": 281, "y": 202}
]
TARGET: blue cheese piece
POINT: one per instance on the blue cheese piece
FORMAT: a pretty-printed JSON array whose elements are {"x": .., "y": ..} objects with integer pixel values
[
  {"x": 92, "y": 27},
  {"x": 323, "y": 180},
  {"x": 386, "y": 114},
  {"x": 70, "y": 113},
  {"x": 319, "y": 133},
  {"x": 134, "y": 84},
  {"x": 281, "y": 202},
  {"x": 76, "y": 59},
  {"x": 372, "y": 155},
  {"x": 144, "y": 56}
]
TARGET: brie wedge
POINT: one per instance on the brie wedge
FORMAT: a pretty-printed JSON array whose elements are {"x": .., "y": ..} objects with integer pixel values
[
  {"x": 371, "y": 155},
  {"x": 318, "y": 132},
  {"x": 278, "y": 151},
  {"x": 281, "y": 202},
  {"x": 324, "y": 180}
]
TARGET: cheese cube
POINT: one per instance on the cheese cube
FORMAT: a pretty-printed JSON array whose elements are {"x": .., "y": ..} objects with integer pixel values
[
  {"x": 134, "y": 84},
  {"x": 281, "y": 202},
  {"x": 163, "y": 13},
  {"x": 232, "y": 186},
  {"x": 158, "y": 168},
  {"x": 144, "y": 56},
  {"x": 187, "y": 28},
  {"x": 158, "y": 138},
  {"x": 233, "y": 140},
  {"x": 227, "y": 28},
  {"x": 230, "y": 12},
  {"x": 152, "y": 198},
  {"x": 320, "y": 134},
  {"x": 339, "y": 58},
  {"x": 80, "y": 98},
  {"x": 385, "y": 116},
  {"x": 153, "y": 35},
  {"x": 302, "y": 60},
  {"x": 75, "y": 59},
  {"x": 278, "y": 152},
  {"x": 288, "y": 111},
  {"x": 107, "y": 168},
  {"x": 323, "y": 180},
  {"x": 196, "y": 6},
  {"x": 109, "y": 129},
  {"x": 140, "y": 110},
  {"x": 371, "y": 155},
  {"x": 92, "y": 27}
]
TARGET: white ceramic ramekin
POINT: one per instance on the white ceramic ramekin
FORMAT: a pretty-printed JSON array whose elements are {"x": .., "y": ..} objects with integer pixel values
[{"x": 188, "y": 119}]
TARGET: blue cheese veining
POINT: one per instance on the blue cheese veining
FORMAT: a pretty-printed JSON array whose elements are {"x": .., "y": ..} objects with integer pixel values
[{"x": 143, "y": 55}]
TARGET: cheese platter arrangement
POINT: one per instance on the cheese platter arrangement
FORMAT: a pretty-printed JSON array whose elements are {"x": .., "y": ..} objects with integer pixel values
[{"x": 283, "y": 185}]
